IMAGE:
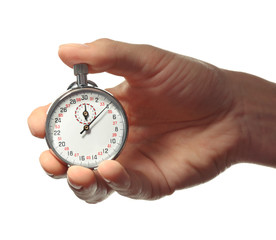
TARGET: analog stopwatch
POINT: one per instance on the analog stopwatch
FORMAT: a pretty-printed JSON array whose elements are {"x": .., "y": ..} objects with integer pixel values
[{"x": 86, "y": 125}]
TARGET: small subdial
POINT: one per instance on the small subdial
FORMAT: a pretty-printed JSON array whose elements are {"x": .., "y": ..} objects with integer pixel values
[{"x": 85, "y": 113}]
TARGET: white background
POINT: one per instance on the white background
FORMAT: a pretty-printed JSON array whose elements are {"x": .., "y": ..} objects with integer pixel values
[{"x": 237, "y": 35}]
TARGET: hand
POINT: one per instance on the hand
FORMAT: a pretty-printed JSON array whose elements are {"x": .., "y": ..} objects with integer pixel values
[{"x": 187, "y": 122}]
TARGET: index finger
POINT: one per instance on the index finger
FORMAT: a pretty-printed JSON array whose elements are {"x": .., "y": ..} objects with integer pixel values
[
  {"x": 132, "y": 61},
  {"x": 37, "y": 121}
]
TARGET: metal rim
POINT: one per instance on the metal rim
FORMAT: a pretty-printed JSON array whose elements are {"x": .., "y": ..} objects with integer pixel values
[{"x": 91, "y": 89}]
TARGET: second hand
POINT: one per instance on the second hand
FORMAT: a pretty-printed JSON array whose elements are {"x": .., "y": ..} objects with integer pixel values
[{"x": 86, "y": 127}]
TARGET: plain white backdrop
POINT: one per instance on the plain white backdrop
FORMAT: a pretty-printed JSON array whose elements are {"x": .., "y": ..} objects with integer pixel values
[{"x": 236, "y": 35}]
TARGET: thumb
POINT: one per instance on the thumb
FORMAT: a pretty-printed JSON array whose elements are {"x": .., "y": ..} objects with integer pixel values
[
  {"x": 131, "y": 61},
  {"x": 126, "y": 182}
]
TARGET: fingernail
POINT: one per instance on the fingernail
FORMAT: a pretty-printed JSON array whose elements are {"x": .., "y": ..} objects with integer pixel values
[
  {"x": 50, "y": 174},
  {"x": 74, "y": 186},
  {"x": 73, "y": 45},
  {"x": 106, "y": 180}
]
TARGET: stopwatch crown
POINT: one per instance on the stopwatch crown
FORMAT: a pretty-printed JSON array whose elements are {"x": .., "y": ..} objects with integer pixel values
[
  {"x": 80, "y": 68},
  {"x": 81, "y": 71}
]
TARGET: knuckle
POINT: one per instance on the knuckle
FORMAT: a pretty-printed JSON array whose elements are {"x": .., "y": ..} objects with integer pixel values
[{"x": 103, "y": 41}]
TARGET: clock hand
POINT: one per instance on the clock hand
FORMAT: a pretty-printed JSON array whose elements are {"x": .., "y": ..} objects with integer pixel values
[
  {"x": 85, "y": 113},
  {"x": 86, "y": 127}
]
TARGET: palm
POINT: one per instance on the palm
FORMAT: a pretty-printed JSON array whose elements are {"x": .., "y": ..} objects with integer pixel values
[{"x": 175, "y": 144}]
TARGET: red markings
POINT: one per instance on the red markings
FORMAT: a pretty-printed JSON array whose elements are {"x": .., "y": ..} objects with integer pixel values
[
  {"x": 60, "y": 115},
  {"x": 76, "y": 154},
  {"x": 57, "y": 126},
  {"x": 67, "y": 105},
  {"x": 109, "y": 145},
  {"x": 91, "y": 98},
  {"x": 109, "y": 111},
  {"x": 114, "y": 134},
  {"x": 114, "y": 122},
  {"x": 102, "y": 103},
  {"x": 100, "y": 153},
  {"x": 78, "y": 99},
  {"x": 88, "y": 157},
  {"x": 59, "y": 138},
  {"x": 66, "y": 148}
]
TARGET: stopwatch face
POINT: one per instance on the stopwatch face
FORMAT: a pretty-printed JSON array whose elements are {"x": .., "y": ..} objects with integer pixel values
[{"x": 86, "y": 126}]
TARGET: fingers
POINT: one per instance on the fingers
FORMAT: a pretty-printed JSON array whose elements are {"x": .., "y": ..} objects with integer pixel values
[
  {"x": 95, "y": 186},
  {"x": 52, "y": 166},
  {"x": 126, "y": 182},
  {"x": 115, "y": 57},
  {"x": 37, "y": 120},
  {"x": 87, "y": 185}
]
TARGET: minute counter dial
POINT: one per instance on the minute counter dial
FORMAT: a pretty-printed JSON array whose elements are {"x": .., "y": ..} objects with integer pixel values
[{"x": 85, "y": 113}]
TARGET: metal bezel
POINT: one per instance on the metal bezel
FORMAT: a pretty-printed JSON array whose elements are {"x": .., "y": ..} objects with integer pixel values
[{"x": 72, "y": 91}]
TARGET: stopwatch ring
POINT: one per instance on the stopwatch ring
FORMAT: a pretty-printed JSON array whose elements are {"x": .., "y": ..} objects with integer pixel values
[{"x": 75, "y": 85}]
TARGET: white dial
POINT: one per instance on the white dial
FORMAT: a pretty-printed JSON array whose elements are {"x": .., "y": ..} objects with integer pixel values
[{"x": 86, "y": 126}]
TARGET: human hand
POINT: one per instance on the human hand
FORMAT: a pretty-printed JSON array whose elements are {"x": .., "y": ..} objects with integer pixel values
[{"x": 185, "y": 123}]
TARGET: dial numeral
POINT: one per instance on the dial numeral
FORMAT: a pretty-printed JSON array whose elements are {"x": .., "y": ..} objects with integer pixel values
[
  {"x": 57, "y": 120},
  {"x": 61, "y": 144},
  {"x": 56, "y": 132},
  {"x": 72, "y": 101},
  {"x": 84, "y": 97},
  {"x": 63, "y": 109}
]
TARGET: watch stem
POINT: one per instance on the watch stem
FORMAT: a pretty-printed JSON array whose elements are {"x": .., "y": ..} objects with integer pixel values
[{"x": 81, "y": 71}]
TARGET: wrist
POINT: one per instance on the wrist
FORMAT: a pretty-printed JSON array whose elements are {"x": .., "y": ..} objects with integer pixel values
[{"x": 256, "y": 112}]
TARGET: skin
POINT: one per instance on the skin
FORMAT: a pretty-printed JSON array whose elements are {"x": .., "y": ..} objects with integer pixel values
[{"x": 189, "y": 121}]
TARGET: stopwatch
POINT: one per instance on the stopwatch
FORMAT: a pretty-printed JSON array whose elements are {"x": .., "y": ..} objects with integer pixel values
[{"x": 86, "y": 125}]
